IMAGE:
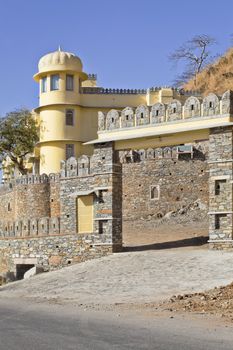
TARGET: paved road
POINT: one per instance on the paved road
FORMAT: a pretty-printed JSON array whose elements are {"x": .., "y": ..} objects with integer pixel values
[{"x": 42, "y": 327}]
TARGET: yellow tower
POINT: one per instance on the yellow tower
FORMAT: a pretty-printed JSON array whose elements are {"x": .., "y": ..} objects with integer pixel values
[
  {"x": 60, "y": 77},
  {"x": 69, "y": 104}
]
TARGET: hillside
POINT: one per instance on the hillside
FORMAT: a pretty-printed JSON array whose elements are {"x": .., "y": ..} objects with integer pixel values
[{"x": 217, "y": 78}]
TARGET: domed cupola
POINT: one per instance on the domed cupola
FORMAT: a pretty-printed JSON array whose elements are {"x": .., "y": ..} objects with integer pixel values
[{"x": 60, "y": 61}]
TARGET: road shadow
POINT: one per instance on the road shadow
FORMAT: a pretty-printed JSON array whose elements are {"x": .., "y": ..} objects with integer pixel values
[{"x": 188, "y": 242}]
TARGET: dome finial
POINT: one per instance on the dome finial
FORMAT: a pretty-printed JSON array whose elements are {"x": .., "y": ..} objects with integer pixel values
[{"x": 59, "y": 48}]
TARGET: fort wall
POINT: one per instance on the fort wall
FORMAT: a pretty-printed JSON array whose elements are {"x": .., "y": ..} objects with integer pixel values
[
  {"x": 47, "y": 234},
  {"x": 153, "y": 187}
]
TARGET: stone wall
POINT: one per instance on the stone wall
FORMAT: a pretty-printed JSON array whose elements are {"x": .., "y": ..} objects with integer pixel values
[
  {"x": 154, "y": 187},
  {"x": 48, "y": 252},
  {"x": 28, "y": 204},
  {"x": 103, "y": 179},
  {"x": 39, "y": 216},
  {"x": 46, "y": 233},
  {"x": 221, "y": 188},
  {"x": 25, "y": 202}
]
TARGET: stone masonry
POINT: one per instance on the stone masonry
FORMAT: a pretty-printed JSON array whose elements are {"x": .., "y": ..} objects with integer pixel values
[
  {"x": 39, "y": 214},
  {"x": 220, "y": 188},
  {"x": 49, "y": 237},
  {"x": 155, "y": 184}
]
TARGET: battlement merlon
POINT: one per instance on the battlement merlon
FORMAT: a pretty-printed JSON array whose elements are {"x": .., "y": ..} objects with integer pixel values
[{"x": 165, "y": 124}]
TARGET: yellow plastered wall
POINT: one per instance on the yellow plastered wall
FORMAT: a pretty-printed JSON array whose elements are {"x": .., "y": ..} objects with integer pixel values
[
  {"x": 85, "y": 214},
  {"x": 62, "y": 95},
  {"x": 52, "y": 153}
]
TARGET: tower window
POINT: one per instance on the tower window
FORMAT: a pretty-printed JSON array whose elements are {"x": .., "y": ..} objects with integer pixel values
[
  {"x": 44, "y": 84},
  {"x": 174, "y": 110},
  {"x": 54, "y": 82},
  {"x": 142, "y": 115},
  {"x": 157, "y": 113},
  {"x": 69, "y": 82},
  {"x": 192, "y": 107},
  {"x": 211, "y": 104},
  {"x": 69, "y": 151},
  {"x": 69, "y": 117}
]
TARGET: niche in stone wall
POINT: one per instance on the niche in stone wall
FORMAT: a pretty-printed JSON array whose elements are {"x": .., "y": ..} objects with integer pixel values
[
  {"x": 102, "y": 226},
  {"x": 220, "y": 221},
  {"x": 155, "y": 192},
  {"x": 219, "y": 186}
]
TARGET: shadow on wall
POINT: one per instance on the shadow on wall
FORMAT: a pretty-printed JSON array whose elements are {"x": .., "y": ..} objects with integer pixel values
[{"x": 188, "y": 242}]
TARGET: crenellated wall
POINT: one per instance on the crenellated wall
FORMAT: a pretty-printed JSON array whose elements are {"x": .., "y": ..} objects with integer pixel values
[
  {"x": 158, "y": 113},
  {"x": 162, "y": 180},
  {"x": 39, "y": 215}
]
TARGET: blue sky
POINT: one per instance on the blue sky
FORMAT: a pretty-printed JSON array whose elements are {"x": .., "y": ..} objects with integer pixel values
[{"x": 126, "y": 42}]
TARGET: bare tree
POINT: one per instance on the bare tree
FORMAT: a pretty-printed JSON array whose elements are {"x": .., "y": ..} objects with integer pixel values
[{"x": 195, "y": 54}]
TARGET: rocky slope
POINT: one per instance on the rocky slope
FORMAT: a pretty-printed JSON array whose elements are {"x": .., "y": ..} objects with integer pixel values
[{"x": 217, "y": 77}]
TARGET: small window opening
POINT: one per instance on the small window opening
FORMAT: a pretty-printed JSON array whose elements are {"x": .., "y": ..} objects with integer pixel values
[
  {"x": 100, "y": 197},
  {"x": 69, "y": 117},
  {"x": 9, "y": 207},
  {"x": 155, "y": 192},
  {"x": 142, "y": 115},
  {"x": 127, "y": 117},
  {"x": 157, "y": 113},
  {"x": 174, "y": 110},
  {"x": 69, "y": 82},
  {"x": 69, "y": 151},
  {"x": 54, "y": 82},
  {"x": 219, "y": 186},
  {"x": 112, "y": 120},
  {"x": 219, "y": 218},
  {"x": 211, "y": 104},
  {"x": 192, "y": 107},
  {"x": 102, "y": 226},
  {"x": 44, "y": 84}
]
